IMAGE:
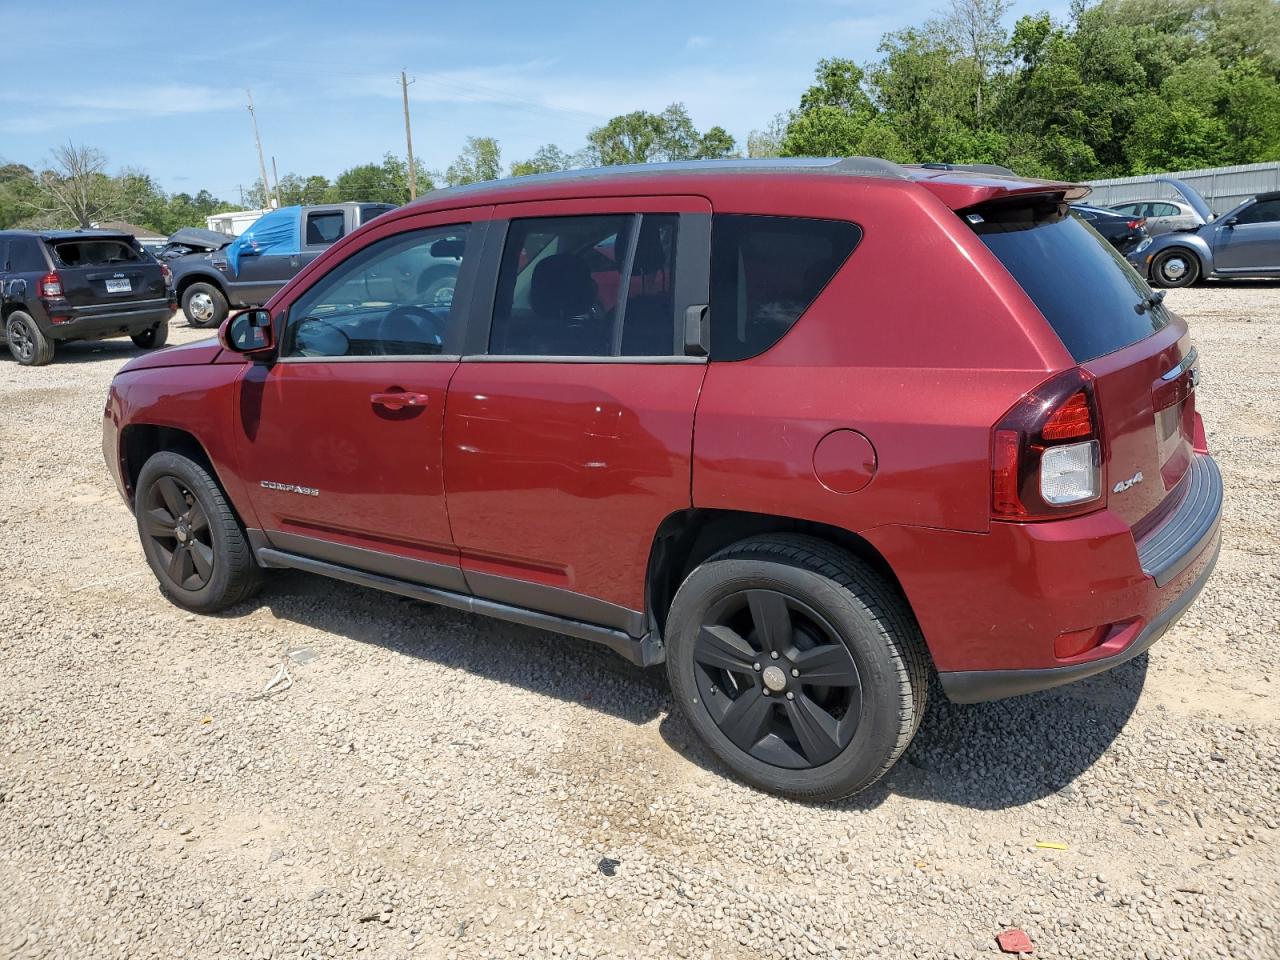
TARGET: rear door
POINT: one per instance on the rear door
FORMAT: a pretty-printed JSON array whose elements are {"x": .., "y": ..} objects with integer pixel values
[
  {"x": 1249, "y": 238},
  {"x": 105, "y": 270},
  {"x": 1139, "y": 353},
  {"x": 570, "y": 421}
]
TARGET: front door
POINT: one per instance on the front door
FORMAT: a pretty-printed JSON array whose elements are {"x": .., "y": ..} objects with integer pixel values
[
  {"x": 341, "y": 436},
  {"x": 569, "y": 426},
  {"x": 1249, "y": 239}
]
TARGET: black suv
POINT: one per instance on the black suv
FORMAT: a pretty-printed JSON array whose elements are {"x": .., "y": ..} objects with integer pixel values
[{"x": 60, "y": 285}]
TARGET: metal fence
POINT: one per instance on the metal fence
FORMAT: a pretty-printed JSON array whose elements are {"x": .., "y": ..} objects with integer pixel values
[{"x": 1222, "y": 187}]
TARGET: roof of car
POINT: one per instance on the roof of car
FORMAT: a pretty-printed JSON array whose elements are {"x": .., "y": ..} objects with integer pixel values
[
  {"x": 570, "y": 183},
  {"x": 63, "y": 234}
]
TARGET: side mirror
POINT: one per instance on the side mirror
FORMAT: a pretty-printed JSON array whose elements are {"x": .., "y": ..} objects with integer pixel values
[
  {"x": 1232, "y": 221},
  {"x": 250, "y": 333}
]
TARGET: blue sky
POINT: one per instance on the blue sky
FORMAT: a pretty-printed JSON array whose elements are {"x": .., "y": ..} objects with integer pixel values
[{"x": 160, "y": 86}]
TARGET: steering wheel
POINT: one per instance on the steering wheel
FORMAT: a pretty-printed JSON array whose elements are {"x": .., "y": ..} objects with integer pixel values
[{"x": 410, "y": 324}]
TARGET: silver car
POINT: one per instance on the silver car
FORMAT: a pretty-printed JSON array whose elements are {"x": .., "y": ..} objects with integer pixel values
[
  {"x": 1243, "y": 242},
  {"x": 1163, "y": 216}
]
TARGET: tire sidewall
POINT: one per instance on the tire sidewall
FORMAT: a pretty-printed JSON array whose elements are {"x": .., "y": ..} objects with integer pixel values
[
  {"x": 878, "y": 731},
  {"x": 21, "y": 318},
  {"x": 196, "y": 479},
  {"x": 220, "y": 306}
]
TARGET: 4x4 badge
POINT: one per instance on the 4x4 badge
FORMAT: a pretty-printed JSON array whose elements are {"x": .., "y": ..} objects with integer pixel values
[
  {"x": 290, "y": 488},
  {"x": 1124, "y": 485}
]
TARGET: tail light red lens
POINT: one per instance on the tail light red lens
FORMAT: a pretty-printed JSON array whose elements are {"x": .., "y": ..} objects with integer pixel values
[
  {"x": 50, "y": 286},
  {"x": 1046, "y": 452},
  {"x": 167, "y": 274}
]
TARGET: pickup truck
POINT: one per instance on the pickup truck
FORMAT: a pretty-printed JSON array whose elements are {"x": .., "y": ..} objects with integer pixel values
[{"x": 263, "y": 258}]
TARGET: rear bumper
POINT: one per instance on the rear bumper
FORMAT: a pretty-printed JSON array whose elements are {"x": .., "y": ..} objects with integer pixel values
[
  {"x": 99, "y": 321},
  {"x": 976, "y": 686},
  {"x": 996, "y": 608}
]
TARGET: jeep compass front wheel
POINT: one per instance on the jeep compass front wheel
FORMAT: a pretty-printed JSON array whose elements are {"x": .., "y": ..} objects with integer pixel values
[
  {"x": 191, "y": 536},
  {"x": 801, "y": 669}
]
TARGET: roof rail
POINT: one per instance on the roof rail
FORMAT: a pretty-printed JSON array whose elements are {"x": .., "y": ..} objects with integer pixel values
[{"x": 863, "y": 166}]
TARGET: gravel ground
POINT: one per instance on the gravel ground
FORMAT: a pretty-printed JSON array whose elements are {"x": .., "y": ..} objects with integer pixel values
[{"x": 441, "y": 785}]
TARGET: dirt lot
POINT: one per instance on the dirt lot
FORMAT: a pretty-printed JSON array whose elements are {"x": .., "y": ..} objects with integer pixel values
[{"x": 440, "y": 785}]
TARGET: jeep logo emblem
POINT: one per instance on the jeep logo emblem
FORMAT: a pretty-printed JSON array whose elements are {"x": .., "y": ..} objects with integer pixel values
[{"x": 1124, "y": 485}]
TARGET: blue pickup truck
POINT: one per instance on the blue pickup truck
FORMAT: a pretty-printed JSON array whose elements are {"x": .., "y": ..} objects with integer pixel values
[{"x": 249, "y": 271}]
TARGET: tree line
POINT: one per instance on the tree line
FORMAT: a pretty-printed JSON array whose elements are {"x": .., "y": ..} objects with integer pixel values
[{"x": 1121, "y": 87}]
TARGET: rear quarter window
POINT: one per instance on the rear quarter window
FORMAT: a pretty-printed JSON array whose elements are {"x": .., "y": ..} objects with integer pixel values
[
  {"x": 1084, "y": 288},
  {"x": 765, "y": 271},
  {"x": 25, "y": 256}
]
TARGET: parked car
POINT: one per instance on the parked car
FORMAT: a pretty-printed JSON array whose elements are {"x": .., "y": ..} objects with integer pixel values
[
  {"x": 1122, "y": 231},
  {"x": 192, "y": 240},
  {"x": 250, "y": 269},
  {"x": 63, "y": 285},
  {"x": 1245, "y": 242},
  {"x": 1163, "y": 216},
  {"x": 848, "y": 423}
]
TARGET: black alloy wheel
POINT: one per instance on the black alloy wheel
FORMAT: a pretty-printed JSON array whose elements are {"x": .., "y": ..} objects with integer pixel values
[
  {"x": 178, "y": 529},
  {"x": 777, "y": 679},
  {"x": 797, "y": 664}
]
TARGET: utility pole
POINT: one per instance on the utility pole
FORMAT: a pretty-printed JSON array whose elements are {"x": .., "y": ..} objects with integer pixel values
[
  {"x": 408, "y": 136},
  {"x": 275, "y": 175},
  {"x": 240, "y": 187},
  {"x": 262, "y": 164}
]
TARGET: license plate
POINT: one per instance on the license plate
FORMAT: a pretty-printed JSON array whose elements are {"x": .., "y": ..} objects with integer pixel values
[{"x": 119, "y": 286}]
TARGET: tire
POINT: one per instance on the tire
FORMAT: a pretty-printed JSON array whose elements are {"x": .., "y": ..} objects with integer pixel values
[
  {"x": 806, "y": 741},
  {"x": 219, "y": 569},
  {"x": 1175, "y": 267},
  {"x": 29, "y": 346},
  {"x": 204, "y": 305},
  {"x": 152, "y": 338}
]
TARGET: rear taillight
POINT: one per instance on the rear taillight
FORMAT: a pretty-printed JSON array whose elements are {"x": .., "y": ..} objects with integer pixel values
[
  {"x": 167, "y": 274},
  {"x": 1046, "y": 452},
  {"x": 50, "y": 286}
]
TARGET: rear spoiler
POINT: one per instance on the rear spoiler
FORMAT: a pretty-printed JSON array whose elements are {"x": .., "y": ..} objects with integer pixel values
[{"x": 959, "y": 189}]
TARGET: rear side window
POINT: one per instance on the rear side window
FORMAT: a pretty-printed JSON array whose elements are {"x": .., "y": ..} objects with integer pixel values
[
  {"x": 369, "y": 213},
  {"x": 765, "y": 271},
  {"x": 325, "y": 228},
  {"x": 25, "y": 256},
  {"x": 95, "y": 253},
  {"x": 1084, "y": 288}
]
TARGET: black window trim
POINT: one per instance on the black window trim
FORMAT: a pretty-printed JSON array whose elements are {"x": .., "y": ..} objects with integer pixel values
[
  {"x": 691, "y": 288},
  {"x": 463, "y": 297}
]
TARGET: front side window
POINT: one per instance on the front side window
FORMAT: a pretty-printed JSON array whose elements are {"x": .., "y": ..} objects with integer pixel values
[
  {"x": 592, "y": 286},
  {"x": 393, "y": 298},
  {"x": 325, "y": 228},
  {"x": 765, "y": 271},
  {"x": 1265, "y": 211}
]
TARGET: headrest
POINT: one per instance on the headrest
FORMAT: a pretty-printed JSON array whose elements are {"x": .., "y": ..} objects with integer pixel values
[{"x": 562, "y": 287}]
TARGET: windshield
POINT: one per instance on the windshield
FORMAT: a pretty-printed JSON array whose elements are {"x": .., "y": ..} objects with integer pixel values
[{"x": 1091, "y": 297}]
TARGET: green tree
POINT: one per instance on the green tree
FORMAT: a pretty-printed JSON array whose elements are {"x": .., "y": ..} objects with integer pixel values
[
  {"x": 546, "y": 159},
  {"x": 643, "y": 137},
  {"x": 386, "y": 182},
  {"x": 481, "y": 159}
]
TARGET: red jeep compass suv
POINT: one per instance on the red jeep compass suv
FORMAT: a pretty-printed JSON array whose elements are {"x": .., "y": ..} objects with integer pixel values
[{"x": 831, "y": 425}]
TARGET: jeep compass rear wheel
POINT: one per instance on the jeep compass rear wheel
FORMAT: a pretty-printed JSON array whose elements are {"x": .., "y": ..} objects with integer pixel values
[
  {"x": 191, "y": 537},
  {"x": 799, "y": 667}
]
